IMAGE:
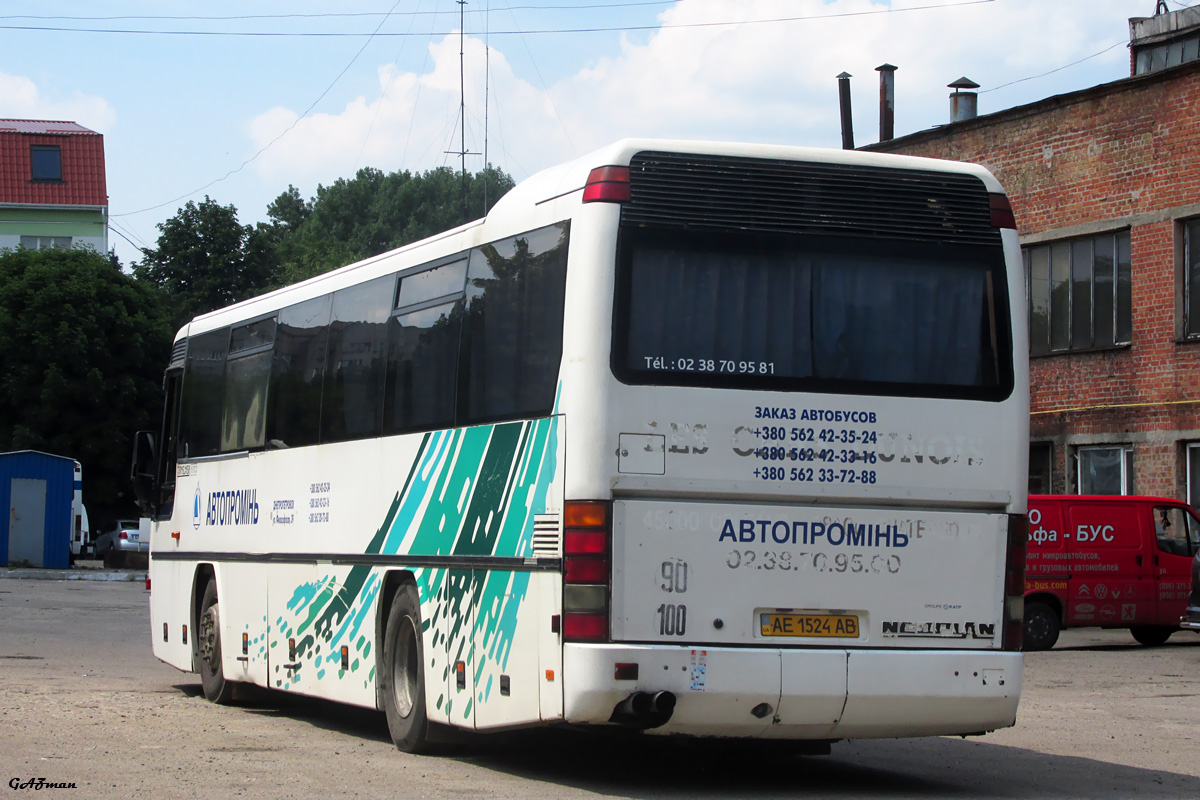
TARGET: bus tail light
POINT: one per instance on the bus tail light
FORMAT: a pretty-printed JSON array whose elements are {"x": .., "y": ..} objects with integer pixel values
[
  {"x": 1002, "y": 212},
  {"x": 587, "y": 535},
  {"x": 1014, "y": 582},
  {"x": 607, "y": 185}
]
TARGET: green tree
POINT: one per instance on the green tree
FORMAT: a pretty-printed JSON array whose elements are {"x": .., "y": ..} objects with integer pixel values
[
  {"x": 206, "y": 260},
  {"x": 82, "y": 350},
  {"x": 372, "y": 213}
]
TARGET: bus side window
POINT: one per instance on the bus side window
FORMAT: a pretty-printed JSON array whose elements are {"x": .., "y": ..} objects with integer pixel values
[
  {"x": 423, "y": 339},
  {"x": 203, "y": 395},
  {"x": 297, "y": 374},
  {"x": 512, "y": 332},
  {"x": 247, "y": 372},
  {"x": 352, "y": 398}
]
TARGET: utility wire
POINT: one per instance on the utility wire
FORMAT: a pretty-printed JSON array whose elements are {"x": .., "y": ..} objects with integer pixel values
[
  {"x": 557, "y": 31},
  {"x": 268, "y": 145},
  {"x": 342, "y": 14},
  {"x": 1057, "y": 69}
]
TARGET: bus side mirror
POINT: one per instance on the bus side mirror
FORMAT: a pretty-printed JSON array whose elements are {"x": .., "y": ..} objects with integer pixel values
[{"x": 144, "y": 470}]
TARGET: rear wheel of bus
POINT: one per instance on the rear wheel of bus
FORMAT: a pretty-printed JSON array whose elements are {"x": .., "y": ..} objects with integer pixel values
[{"x": 402, "y": 677}]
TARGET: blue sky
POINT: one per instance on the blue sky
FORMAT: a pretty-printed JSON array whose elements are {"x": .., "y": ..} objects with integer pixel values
[{"x": 201, "y": 98}]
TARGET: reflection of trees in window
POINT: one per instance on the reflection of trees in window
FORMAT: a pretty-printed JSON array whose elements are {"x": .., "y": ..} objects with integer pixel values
[
  {"x": 297, "y": 373},
  {"x": 512, "y": 332},
  {"x": 203, "y": 393},
  {"x": 247, "y": 372},
  {"x": 423, "y": 342},
  {"x": 1080, "y": 294},
  {"x": 353, "y": 395}
]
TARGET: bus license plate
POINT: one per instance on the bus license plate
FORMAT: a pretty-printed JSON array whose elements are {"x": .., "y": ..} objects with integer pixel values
[{"x": 844, "y": 626}]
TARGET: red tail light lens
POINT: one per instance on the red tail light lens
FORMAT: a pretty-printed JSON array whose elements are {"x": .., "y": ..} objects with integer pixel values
[
  {"x": 1002, "y": 212},
  {"x": 124, "y": 535},
  {"x": 1014, "y": 582},
  {"x": 586, "y": 575},
  {"x": 607, "y": 185}
]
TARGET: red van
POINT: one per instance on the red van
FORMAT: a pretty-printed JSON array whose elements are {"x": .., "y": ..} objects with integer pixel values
[{"x": 1107, "y": 561}]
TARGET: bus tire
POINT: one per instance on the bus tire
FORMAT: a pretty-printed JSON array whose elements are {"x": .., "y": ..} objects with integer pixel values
[
  {"x": 208, "y": 648},
  {"x": 1151, "y": 635},
  {"x": 402, "y": 679},
  {"x": 1041, "y": 627}
]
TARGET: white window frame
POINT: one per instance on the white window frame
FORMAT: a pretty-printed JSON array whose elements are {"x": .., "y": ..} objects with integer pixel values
[{"x": 1126, "y": 464}]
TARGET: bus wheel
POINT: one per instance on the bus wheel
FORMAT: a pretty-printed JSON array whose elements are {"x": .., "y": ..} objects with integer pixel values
[
  {"x": 1151, "y": 635},
  {"x": 1041, "y": 627},
  {"x": 402, "y": 678},
  {"x": 208, "y": 646}
]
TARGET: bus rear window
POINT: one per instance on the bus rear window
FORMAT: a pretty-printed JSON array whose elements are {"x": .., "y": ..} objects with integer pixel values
[{"x": 841, "y": 316}]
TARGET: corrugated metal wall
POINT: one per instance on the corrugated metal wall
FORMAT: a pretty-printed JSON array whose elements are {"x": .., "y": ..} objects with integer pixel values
[{"x": 59, "y": 474}]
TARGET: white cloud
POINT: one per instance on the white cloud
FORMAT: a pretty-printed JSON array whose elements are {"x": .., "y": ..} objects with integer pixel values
[
  {"x": 772, "y": 82},
  {"x": 23, "y": 100}
]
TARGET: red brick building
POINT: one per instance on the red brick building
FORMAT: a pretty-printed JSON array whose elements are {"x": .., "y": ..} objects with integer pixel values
[{"x": 1105, "y": 183}]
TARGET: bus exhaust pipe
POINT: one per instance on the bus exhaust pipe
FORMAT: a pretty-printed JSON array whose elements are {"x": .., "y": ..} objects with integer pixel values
[{"x": 644, "y": 710}]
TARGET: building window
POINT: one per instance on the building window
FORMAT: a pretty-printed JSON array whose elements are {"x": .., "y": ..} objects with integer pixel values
[
  {"x": 46, "y": 242},
  {"x": 1041, "y": 463},
  {"x": 47, "y": 162},
  {"x": 1193, "y": 475},
  {"x": 1080, "y": 294},
  {"x": 1191, "y": 279},
  {"x": 1105, "y": 470}
]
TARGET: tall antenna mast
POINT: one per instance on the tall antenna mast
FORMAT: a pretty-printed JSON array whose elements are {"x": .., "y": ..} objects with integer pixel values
[
  {"x": 462, "y": 109},
  {"x": 462, "y": 104}
]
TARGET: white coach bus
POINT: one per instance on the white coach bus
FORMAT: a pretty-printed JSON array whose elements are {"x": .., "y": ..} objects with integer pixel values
[{"x": 690, "y": 438}]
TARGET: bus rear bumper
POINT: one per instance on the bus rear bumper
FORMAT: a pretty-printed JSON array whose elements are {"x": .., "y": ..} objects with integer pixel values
[{"x": 799, "y": 694}]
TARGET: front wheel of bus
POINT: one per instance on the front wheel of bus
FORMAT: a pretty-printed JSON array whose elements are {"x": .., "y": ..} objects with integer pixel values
[
  {"x": 208, "y": 647},
  {"x": 402, "y": 679}
]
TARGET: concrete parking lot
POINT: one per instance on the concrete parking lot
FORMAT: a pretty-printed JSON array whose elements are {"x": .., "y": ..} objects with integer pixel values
[{"x": 83, "y": 700}]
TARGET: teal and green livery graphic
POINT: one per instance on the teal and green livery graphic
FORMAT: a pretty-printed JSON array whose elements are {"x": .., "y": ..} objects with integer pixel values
[{"x": 471, "y": 494}]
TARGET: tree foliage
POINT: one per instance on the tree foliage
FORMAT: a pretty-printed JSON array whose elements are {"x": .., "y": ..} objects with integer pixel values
[
  {"x": 206, "y": 260},
  {"x": 372, "y": 213},
  {"x": 82, "y": 349}
]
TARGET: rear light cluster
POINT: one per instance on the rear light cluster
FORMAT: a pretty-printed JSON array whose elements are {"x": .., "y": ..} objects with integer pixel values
[
  {"x": 1001, "y": 211},
  {"x": 587, "y": 536},
  {"x": 1014, "y": 582},
  {"x": 607, "y": 185}
]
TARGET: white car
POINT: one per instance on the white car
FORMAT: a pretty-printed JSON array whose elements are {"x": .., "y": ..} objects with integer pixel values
[{"x": 121, "y": 544}]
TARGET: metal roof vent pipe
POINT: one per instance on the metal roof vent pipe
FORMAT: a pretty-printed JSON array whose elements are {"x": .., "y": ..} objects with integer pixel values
[
  {"x": 887, "y": 101},
  {"x": 847, "y": 115},
  {"x": 964, "y": 104}
]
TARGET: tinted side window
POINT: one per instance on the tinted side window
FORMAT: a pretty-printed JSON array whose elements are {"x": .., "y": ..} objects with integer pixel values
[
  {"x": 247, "y": 372},
  {"x": 297, "y": 373},
  {"x": 203, "y": 393},
  {"x": 512, "y": 329},
  {"x": 352, "y": 405},
  {"x": 423, "y": 341}
]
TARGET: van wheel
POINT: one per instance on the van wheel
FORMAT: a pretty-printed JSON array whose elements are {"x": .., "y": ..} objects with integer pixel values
[
  {"x": 402, "y": 677},
  {"x": 208, "y": 648},
  {"x": 1151, "y": 635},
  {"x": 1041, "y": 627}
]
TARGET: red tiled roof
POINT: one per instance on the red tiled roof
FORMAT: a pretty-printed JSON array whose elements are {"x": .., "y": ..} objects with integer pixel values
[
  {"x": 83, "y": 179},
  {"x": 42, "y": 126}
]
